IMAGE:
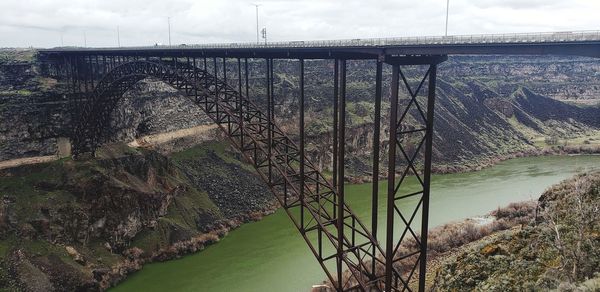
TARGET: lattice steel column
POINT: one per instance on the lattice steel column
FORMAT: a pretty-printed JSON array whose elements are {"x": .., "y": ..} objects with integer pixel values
[{"x": 411, "y": 128}]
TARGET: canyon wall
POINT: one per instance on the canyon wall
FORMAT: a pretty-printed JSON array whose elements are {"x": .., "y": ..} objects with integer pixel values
[{"x": 487, "y": 107}]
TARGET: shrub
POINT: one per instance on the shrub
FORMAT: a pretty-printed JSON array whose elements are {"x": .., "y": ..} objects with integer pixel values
[{"x": 551, "y": 140}]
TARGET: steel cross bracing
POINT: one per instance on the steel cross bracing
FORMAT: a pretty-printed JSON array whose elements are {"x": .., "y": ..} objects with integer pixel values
[
  {"x": 348, "y": 251},
  {"x": 409, "y": 131}
]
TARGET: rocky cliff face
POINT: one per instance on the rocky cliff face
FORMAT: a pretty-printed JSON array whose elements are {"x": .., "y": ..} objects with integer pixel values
[
  {"x": 75, "y": 226},
  {"x": 31, "y": 114},
  {"x": 487, "y": 107},
  {"x": 154, "y": 107}
]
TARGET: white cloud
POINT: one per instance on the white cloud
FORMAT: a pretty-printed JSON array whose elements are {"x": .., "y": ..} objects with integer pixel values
[{"x": 41, "y": 23}]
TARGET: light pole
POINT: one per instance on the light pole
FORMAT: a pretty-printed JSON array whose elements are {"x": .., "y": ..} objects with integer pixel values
[
  {"x": 118, "y": 37},
  {"x": 257, "y": 38},
  {"x": 84, "y": 40},
  {"x": 169, "y": 24},
  {"x": 447, "y": 9}
]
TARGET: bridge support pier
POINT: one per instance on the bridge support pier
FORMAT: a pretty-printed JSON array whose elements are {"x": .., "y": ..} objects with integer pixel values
[{"x": 409, "y": 162}]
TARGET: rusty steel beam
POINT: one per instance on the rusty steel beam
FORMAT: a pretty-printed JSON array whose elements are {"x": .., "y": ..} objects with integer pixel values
[
  {"x": 376, "y": 142},
  {"x": 336, "y": 78},
  {"x": 427, "y": 175},
  {"x": 301, "y": 134},
  {"x": 389, "y": 242},
  {"x": 406, "y": 163},
  {"x": 340, "y": 177}
]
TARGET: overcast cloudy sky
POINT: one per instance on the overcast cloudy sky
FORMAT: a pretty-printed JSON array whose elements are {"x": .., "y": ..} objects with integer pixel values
[{"x": 41, "y": 23}]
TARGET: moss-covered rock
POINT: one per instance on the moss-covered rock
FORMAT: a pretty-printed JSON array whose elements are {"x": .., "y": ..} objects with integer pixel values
[{"x": 560, "y": 250}]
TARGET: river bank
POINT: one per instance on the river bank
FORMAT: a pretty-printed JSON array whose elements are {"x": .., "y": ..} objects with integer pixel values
[
  {"x": 271, "y": 255},
  {"x": 136, "y": 258},
  {"x": 582, "y": 149},
  {"x": 556, "y": 250},
  {"x": 446, "y": 240},
  {"x": 139, "y": 251},
  {"x": 487, "y": 162}
]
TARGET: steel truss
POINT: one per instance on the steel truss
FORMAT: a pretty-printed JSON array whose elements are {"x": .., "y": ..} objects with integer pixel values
[{"x": 348, "y": 251}]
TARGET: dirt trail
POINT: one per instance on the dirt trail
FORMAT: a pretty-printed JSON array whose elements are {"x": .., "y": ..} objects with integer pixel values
[
  {"x": 144, "y": 141},
  {"x": 163, "y": 138},
  {"x": 26, "y": 161}
]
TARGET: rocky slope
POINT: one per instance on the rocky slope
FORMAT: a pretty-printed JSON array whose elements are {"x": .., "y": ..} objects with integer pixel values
[
  {"x": 84, "y": 225},
  {"x": 488, "y": 108},
  {"x": 477, "y": 121},
  {"x": 31, "y": 108},
  {"x": 559, "y": 250},
  {"x": 552, "y": 244},
  {"x": 562, "y": 78}
]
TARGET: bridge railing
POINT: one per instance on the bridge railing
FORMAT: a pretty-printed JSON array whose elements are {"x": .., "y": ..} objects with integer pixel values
[
  {"x": 423, "y": 40},
  {"x": 512, "y": 38}
]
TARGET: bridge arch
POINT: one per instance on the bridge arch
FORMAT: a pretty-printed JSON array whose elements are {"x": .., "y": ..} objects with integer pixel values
[
  {"x": 93, "y": 118},
  {"x": 310, "y": 202}
]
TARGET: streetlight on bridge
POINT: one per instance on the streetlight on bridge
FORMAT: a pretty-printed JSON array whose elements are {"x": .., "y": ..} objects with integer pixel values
[
  {"x": 257, "y": 38},
  {"x": 118, "y": 37},
  {"x": 447, "y": 9},
  {"x": 169, "y": 24}
]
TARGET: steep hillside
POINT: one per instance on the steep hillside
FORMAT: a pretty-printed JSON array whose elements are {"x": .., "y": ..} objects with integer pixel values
[
  {"x": 484, "y": 111},
  {"x": 571, "y": 79},
  {"x": 474, "y": 126},
  {"x": 79, "y": 225},
  {"x": 559, "y": 250},
  {"x": 553, "y": 117}
]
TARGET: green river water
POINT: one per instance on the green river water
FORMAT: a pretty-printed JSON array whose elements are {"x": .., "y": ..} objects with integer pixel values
[{"x": 270, "y": 255}]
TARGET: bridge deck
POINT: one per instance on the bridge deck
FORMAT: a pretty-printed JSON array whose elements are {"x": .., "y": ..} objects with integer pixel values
[{"x": 585, "y": 43}]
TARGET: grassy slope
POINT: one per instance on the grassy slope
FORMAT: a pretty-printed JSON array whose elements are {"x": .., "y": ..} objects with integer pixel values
[{"x": 42, "y": 191}]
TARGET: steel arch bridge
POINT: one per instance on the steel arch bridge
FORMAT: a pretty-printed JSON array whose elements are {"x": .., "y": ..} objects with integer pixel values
[
  {"x": 353, "y": 256},
  {"x": 308, "y": 198},
  {"x": 348, "y": 251}
]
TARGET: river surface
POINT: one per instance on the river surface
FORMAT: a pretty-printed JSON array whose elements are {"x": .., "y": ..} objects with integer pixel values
[{"x": 270, "y": 255}]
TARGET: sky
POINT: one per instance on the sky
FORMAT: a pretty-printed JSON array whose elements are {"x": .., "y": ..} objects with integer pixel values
[{"x": 94, "y": 23}]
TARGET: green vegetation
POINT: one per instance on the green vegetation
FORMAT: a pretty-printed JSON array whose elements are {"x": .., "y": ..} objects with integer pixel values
[
  {"x": 558, "y": 250},
  {"x": 198, "y": 152},
  {"x": 19, "y": 92},
  {"x": 116, "y": 211},
  {"x": 17, "y": 55}
]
